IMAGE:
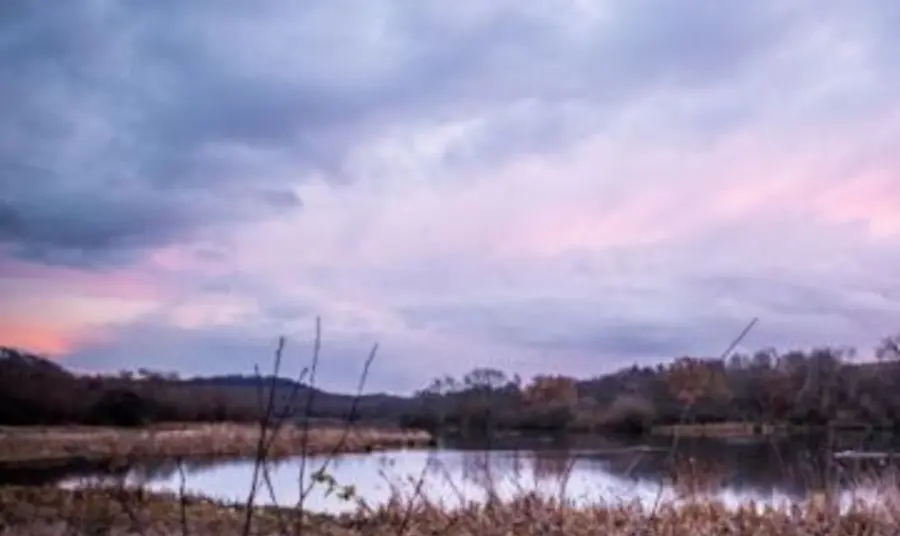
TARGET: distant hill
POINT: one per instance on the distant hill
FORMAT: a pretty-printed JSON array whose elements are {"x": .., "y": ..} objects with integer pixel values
[
  {"x": 13, "y": 360},
  {"x": 321, "y": 404},
  {"x": 33, "y": 388},
  {"x": 241, "y": 381}
]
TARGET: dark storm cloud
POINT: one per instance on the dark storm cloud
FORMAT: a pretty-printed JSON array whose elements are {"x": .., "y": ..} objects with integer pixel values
[
  {"x": 129, "y": 126},
  {"x": 111, "y": 144}
]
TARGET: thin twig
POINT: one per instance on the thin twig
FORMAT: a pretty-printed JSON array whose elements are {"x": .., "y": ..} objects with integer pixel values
[
  {"x": 182, "y": 497},
  {"x": 264, "y": 421},
  {"x": 349, "y": 422},
  {"x": 411, "y": 503},
  {"x": 267, "y": 479},
  {"x": 307, "y": 412}
]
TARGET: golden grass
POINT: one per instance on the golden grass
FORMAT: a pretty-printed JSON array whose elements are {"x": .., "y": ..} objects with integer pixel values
[
  {"x": 60, "y": 444},
  {"x": 720, "y": 429},
  {"x": 749, "y": 429},
  {"x": 48, "y": 510},
  {"x": 37, "y": 511}
]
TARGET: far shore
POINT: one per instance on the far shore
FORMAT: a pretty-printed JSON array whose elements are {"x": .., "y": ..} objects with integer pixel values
[
  {"x": 739, "y": 429},
  {"x": 722, "y": 429},
  {"x": 61, "y": 445}
]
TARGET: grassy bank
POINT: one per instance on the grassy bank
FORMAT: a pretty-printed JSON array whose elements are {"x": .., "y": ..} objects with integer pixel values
[
  {"x": 750, "y": 429},
  {"x": 37, "y": 511},
  {"x": 722, "y": 429},
  {"x": 59, "y": 445}
]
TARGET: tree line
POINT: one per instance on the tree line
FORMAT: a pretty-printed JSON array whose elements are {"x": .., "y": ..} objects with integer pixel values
[
  {"x": 815, "y": 387},
  {"x": 812, "y": 387},
  {"x": 36, "y": 391}
]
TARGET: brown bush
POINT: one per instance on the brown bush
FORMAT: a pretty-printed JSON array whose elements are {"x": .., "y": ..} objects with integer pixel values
[{"x": 631, "y": 413}]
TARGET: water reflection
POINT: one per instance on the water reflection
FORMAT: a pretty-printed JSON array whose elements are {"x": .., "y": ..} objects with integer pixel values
[{"x": 581, "y": 469}]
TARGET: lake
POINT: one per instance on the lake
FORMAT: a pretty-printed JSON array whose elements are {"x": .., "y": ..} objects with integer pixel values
[{"x": 580, "y": 468}]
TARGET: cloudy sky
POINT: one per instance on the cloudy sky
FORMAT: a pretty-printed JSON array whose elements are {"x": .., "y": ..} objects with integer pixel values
[{"x": 551, "y": 185}]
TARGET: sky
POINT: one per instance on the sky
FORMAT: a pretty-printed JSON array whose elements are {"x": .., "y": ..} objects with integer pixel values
[{"x": 564, "y": 186}]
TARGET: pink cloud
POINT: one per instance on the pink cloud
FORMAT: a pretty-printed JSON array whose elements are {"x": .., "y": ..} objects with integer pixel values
[
  {"x": 871, "y": 197},
  {"x": 45, "y": 339},
  {"x": 122, "y": 283},
  {"x": 56, "y": 309},
  {"x": 602, "y": 193}
]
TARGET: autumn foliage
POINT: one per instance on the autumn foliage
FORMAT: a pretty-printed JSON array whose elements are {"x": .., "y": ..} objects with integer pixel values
[
  {"x": 800, "y": 387},
  {"x": 547, "y": 390}
]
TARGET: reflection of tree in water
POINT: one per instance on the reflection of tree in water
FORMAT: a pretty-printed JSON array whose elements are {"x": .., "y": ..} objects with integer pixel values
[
  {"x": 545, "y": 459},
  {"x": 168, "y": 468},
  {"x": 113, "y": 474},
  {"x": 548, "y": 461},
  {"x": 47, "y": 476},
  {"x": 486, "y": 468},
  {"x": 795, "y": 468},
  {"x": 552, "y": 465},
  {"x": 476, "y": 468}
]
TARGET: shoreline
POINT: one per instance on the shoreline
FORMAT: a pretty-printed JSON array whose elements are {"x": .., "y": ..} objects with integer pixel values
[
  {"x": 739, "y": 429},
  {"x": 60, "y": 445},
  {"x": 121, "y": 511}
]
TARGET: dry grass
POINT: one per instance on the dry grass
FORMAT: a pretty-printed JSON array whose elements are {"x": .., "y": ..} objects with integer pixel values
[
  {"x": 719, "y": 429},
  {"x": 37, "y": 511},
  {"x": 49, "y": 510},
  {"x": 531, "y": 515},
  {"x": 48, "y": 445}
]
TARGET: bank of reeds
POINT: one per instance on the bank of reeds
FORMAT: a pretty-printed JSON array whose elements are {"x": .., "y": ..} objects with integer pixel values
[
  {"x": 36, "y": 511},
  {"x": 59, "y": 445},
  {"x": 721, "y": 429}
]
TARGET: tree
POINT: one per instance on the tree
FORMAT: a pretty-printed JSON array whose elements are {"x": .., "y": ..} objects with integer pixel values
[
  {"x": 888, "y": 349},
  {"x": 816, "y": 400},
  {"x": 485, "y": 379},
  {"x": 764, "y": 360},
  {"x": 552, "y": 391},
  {"x": 121, "y": 407},
  {"x": 551, "y": 401},
  {"x": 630, "y": 413},
  {"x": 689, "y": 379}
]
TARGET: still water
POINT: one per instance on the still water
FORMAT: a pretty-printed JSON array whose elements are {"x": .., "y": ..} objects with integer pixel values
[{"x": 582, "y": 470}]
